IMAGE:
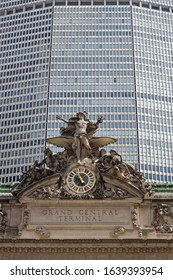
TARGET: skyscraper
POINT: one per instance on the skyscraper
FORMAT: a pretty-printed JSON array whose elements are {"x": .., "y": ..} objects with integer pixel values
[{"x": 110, "y": 58}]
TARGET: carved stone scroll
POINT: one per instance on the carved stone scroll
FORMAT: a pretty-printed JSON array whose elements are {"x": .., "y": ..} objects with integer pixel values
[
  {"x": 118, "y": 231},
  {"x": 42, "y": 231}
]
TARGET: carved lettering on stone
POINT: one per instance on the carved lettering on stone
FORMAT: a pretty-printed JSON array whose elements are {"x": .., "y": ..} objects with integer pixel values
[{"x": 46, "y": 216}]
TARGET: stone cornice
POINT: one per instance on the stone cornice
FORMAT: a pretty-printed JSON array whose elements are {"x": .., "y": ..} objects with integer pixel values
[
  {"x": 93, "y": 246},
  {"x": 87, "y": 250},
  {"x": 119, "y": 242}
]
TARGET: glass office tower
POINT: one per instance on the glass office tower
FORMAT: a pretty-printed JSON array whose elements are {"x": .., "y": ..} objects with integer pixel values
[{"x": 110, "y": 58}]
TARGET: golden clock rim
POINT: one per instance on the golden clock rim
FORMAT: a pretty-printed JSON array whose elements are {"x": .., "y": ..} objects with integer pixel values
[{"x": 91, "y": 188}]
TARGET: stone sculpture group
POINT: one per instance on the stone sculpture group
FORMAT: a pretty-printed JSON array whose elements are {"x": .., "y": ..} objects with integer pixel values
[{"x": 84, "y": 169}]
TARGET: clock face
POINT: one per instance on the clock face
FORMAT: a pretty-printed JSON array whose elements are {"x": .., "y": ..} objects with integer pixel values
[{"x": 81, "y": 180}]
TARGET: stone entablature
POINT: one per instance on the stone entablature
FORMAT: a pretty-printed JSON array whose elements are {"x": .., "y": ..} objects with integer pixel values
[
  {"x": 131, "y": 218},
  {"x": 86, "y": 249}
]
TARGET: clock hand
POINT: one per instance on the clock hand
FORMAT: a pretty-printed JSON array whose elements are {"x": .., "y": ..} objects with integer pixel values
[{"x": 80, "y": 178}]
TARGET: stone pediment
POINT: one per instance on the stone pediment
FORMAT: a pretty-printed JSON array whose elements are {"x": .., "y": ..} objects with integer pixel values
[
  {"x": 125, "y": 187},
  {"x": 52, "y": 188},
  {"x": 40, "y": 188}
]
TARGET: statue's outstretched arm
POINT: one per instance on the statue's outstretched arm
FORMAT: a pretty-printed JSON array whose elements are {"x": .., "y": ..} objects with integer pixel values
[
  {"x": 99, "y": 120},
  {"x": 60, "y": 118}
]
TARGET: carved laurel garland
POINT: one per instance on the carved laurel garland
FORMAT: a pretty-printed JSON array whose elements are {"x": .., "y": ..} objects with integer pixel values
[
  {"x": 26, "y": 215},
  {"x": 3, "y": 219},
  {"x": 135, "y": 222}
]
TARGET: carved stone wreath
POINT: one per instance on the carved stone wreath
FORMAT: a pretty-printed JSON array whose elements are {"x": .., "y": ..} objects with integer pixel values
[{"x": 163, "y": 218}]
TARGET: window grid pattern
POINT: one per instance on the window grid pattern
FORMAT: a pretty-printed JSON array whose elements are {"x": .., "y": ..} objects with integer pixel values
[
  {"x": 16, "y": 3},
  {"x": 92, "y": 70},
  {"x": 154, "y": 85},
  {"x": 25, "y": 53}
]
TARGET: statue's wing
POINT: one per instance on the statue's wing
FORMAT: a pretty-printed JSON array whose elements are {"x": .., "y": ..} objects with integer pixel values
[
  {"x": 68, "y": 131},
  {"x": 67, "y": 141},
  {"x": 61, "y": 141},
  {"x": 97, "y": 142}
]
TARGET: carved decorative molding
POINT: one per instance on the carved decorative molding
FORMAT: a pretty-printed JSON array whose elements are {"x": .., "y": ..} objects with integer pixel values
[
  {"x": 163, "y": 218},
  {"x": 88, "y": 246},
  {"x": 85, "y": 249},
  {"x": 47, "y": 192}
]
